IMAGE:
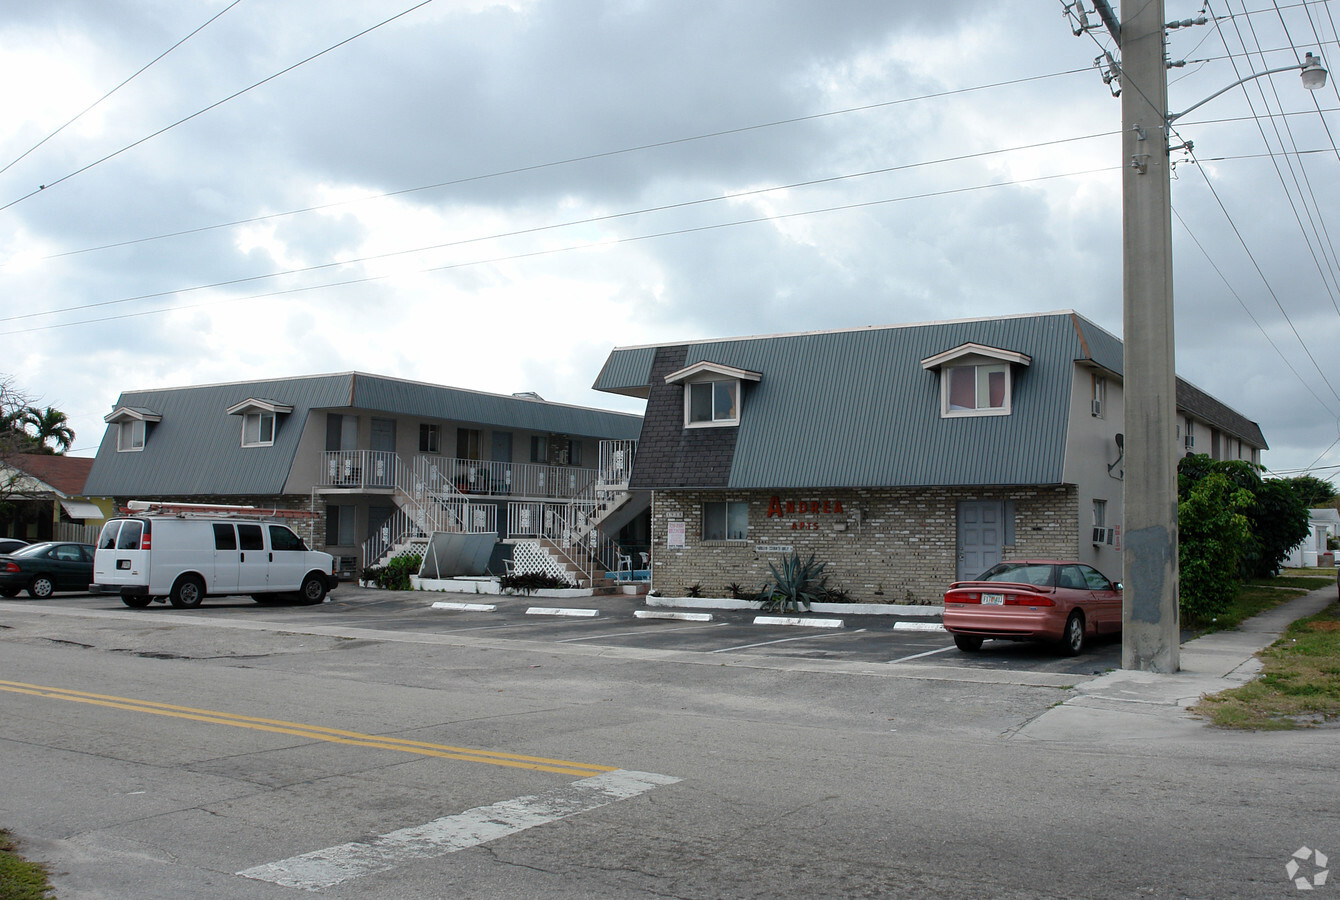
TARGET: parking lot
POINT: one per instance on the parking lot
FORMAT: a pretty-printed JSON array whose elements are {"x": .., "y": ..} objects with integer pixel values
[{"x": 730, "y": 633}]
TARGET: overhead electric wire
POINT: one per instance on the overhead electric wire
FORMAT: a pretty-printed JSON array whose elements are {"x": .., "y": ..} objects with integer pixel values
[
  {"x": 1250, "y": 314},
  {"x": 136, "y": 74},
  {"x": 605, "y": 154},
  {"x": 1257, "y": 266},
  {"x": 519, "y": 256},
  {"x": 215, "y": 105}
]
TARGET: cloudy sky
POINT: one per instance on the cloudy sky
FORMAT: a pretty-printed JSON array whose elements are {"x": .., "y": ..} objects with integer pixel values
[{"x": 493, "y": 194}]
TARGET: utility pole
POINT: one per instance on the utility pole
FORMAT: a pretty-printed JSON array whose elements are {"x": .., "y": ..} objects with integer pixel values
[{"x": 1151, "y": 630}]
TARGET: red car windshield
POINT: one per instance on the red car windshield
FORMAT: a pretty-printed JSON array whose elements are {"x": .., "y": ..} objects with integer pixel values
[{"x": 1036, "y": 574}]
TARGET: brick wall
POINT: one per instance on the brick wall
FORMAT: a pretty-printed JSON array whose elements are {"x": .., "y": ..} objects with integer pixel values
[{"x": 890, "y": 545}]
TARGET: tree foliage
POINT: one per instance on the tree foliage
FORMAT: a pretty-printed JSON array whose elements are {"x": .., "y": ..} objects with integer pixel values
[
  {"x": 1312, "y": 492},
  {"x": 1213, "y": 534},
  {"x": 1276, "y": 517}
]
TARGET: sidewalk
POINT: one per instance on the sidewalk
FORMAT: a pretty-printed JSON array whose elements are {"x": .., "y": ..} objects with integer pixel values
[{"x": 1136, "y": 706}]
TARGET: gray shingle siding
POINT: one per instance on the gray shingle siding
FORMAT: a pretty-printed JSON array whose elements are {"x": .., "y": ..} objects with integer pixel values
[{"x": 670, "y": 455}]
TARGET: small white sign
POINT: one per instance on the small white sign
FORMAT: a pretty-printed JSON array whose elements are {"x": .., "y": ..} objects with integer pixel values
[
  {"x": 674, "y": 534},
  {"x": 774, "y": 548}
]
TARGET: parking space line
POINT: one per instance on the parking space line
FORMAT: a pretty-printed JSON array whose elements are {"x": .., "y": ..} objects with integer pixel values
[
  {"x": 312, "y": 732},
  {"x": 327, "y": 868},
  {"x": 920, "y": 655},
  {"x": 661, "y": 630},
  {"x": 804, "y": 637}
]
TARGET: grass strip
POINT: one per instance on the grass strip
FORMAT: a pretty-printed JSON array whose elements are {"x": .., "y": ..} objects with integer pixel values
[
  {"x": 1299, "y": 686},
  {"x": 1249, "y": 600},
  {"x": 20, "y": 879}
]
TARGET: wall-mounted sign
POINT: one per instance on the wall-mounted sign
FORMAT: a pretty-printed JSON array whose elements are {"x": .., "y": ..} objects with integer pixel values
[
  {"x": 783, "y": 508},
  {"x": 674, "y": 534},
  {"x": 774, "y": 548}
]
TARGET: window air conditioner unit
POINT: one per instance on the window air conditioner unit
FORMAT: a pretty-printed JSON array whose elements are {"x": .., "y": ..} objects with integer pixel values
[
  {"x": 1102, "y": 535},
  {"x": 1095, "y": 407}
]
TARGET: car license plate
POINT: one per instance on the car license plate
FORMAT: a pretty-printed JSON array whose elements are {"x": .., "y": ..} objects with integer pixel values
[{"x": 993, "y": 599}]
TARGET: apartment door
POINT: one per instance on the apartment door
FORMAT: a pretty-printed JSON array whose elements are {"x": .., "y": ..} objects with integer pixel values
[
  {"x": 383, "y": 459},
  {"x": 981, "y": 536}
]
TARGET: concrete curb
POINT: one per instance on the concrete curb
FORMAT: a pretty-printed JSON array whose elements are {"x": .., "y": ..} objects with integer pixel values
[
  {"x": 556, "y": 611},
  {"x": 851, "y": 609},
  {"x": 798, "y": 620},
  {"x": 669, "y": 614}
]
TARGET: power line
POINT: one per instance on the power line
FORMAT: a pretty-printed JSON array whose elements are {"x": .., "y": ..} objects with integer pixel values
[
  {"x": 605, "y": 154},
  {"x": 611, "y": 242},
  {"x": 137, "y": 73},
  {"x": 215, "y": 105}
]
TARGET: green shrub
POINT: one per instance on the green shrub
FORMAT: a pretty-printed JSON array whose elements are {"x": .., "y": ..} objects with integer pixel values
[
  {"x": 1213, "y": 533},
  {"x": 394, "y": 576},
  {"x": 533, "y": 581}
]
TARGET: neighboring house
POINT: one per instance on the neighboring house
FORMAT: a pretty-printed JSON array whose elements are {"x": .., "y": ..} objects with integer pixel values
[
  {"x": 380, "y": 462},
  {"x": 904, "y": 457},
  {"x": 47, "y": 499},
  {"x": 1322, "y": 524}
]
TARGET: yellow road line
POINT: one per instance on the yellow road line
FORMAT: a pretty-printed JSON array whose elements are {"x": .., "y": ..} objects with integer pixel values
[{"x": 315, "y": 732}]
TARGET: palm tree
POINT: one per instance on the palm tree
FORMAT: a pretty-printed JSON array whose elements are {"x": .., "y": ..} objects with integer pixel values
[{"x": 51, "y": 425}]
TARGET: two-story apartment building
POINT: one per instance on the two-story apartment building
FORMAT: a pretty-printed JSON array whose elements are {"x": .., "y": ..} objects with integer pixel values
[
  {"x": 377, "y": 460},
  {"x": 905, "y": 457}
]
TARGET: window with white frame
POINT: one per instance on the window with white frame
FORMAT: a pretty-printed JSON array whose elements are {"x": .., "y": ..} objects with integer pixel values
[
  {"x": 726, "y": 521},
  {"x": 976, "y": 389},
  {"x": 258, "y": 429},
  {"x": 1099, "y": 401},
  {"x": 1100, "y": 512},
  {"x": 712, "y": 403},
  {"x": 130, "y": 435}
]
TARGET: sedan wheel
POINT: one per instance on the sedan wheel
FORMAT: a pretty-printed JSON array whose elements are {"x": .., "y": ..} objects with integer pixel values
[
  {"x": 41, "y": 588},
  {"x": 1072, "y": 642},
  {"x": 968, "y": 643}
]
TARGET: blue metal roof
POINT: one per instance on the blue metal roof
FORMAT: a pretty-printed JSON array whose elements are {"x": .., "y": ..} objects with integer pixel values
[{"x": 196, "y": 448}]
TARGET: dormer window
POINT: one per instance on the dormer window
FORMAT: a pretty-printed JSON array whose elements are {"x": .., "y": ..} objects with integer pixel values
[
  {"x": 260, "y": 420},
  {"x": 976, "y": 380},
  {"x": 712, "y": 393},
  {"x": 714, "y": 402},
  {"x": 132, "y": 427}
]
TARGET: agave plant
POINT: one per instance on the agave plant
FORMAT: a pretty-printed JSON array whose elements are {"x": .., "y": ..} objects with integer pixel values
[{"x": 798, "y": 582}]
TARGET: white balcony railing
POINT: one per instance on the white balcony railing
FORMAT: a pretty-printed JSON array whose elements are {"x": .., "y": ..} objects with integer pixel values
[{"x": 363, "y": 469}]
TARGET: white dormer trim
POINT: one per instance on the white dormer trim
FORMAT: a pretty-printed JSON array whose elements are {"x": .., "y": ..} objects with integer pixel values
[
  {"x": 258, "y": 404},
  {"x": 710, "y": 371},
  {"x": 940, "y": 360},
  {"x": 977, "y": 371},
  {"x": 132, "y": 413},
  {"x": 713, "y": 393},
  {"x": 132, "y": 426}
]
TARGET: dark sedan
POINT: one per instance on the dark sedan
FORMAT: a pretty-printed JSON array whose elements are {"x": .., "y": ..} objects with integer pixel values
[
  {"x": 42, "y": 569},
  {"x": 9, "y": 545}
]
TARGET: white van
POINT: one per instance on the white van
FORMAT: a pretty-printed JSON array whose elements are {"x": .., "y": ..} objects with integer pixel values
[{"x": 185, "y": 553}]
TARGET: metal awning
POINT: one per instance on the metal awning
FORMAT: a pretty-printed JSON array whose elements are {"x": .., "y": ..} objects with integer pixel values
[{"x": 82, "y": 509}]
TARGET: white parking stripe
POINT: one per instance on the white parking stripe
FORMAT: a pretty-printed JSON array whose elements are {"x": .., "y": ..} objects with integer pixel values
[
  {"x": 807, "y": 637},
  {"x": 920, "y": 655},
  {"x": 334, "y": 865}
]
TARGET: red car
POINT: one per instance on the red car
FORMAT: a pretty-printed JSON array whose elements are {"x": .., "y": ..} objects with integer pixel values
[{"x": 1034, "y": 599}]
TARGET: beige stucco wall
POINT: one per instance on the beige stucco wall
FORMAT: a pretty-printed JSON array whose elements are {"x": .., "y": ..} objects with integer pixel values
[
  {"x": 1090, "y": 447},
  {"x": 901, "y": 548}
]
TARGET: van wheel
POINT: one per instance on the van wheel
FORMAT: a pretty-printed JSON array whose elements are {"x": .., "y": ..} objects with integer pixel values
[
  {"x": 138, "y": 601},
  {"x": 313, "y": 589},
  {"x": 187, "y": 592}
]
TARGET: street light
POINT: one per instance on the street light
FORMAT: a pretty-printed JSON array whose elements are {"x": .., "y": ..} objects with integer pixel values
[
  {"x": 1150, "y": 622},
  {"x": 1311, "y": 71}
]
